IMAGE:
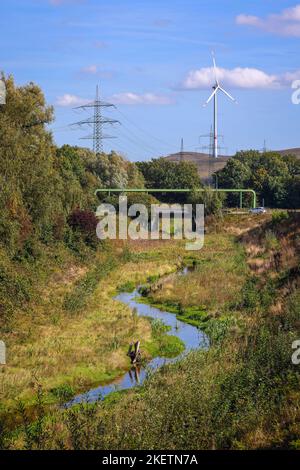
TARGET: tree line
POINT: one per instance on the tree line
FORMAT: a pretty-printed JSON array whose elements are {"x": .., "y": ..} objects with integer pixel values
[
  {"x": 275, "y": 177},
  {"x": 45, "y": 188}
]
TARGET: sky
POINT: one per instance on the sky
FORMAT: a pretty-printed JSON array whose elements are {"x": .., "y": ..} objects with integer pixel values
[{"x": 153, "y": 60}]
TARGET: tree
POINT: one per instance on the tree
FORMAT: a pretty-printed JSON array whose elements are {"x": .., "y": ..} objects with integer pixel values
[
  {"x": 213, "y": 201},
  {"x": 113, "y": 171},
  {"x": 72, "y": 165},
  {"x": 161, "y": 173},
  {"x": 293, "y": 192},
  {"x": 266, "y": 173},
  {"x": 29, "y": 197}
]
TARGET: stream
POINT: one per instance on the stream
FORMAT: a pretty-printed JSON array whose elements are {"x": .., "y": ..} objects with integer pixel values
[{"x": 191, "y": 336}]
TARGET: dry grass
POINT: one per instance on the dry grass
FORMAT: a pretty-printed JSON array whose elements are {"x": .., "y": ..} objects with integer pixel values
[
  {"x": 217, "y": 279},
  {"x": 54, "y": 348}
]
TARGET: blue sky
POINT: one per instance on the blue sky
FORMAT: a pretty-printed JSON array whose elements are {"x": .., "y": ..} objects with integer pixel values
[{"x": 153, "y": 60}]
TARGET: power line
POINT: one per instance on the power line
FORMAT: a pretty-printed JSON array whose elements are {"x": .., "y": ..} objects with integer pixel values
[
  {"x": 139, "y": 140},
  {"x": 166, "y": 144},
  {"x": 97, "y": 121}
]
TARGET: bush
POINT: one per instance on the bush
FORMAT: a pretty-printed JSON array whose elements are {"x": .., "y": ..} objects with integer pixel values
[
  {"x": 84, "y": 222},
  {"x": 63, "y": 393},
  {"x": 14, "y": 291},
  {"x": 279, "y": 216}
]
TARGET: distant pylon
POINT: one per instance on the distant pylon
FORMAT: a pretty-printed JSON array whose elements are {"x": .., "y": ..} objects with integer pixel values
[
  {"x": 181, "y": 151},
  {"x": 97, "y": 140},
  {"x": 97, "y": 121},
  {"x": 210, "y": 153}
]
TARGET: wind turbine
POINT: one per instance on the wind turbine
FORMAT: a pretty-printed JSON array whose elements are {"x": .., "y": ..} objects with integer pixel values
[{"x": 216, "y": 88}]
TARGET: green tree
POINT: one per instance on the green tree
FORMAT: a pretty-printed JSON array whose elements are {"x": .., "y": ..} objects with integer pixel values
[
  {"x": 267, "y": 173},
  {"x": 293, "y": 192},
  {"x": 114, "y": 171},
  {"x": 161, "y": 173},
  {"x": 29, "y": 199}
]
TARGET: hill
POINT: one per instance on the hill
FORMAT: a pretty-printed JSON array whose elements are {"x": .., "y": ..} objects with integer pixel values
[
  {"x": 207, "y": 165},
  {"x": 294, "y": 151}
]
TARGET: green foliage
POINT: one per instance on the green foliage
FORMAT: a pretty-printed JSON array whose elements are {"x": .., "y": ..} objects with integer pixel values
[
  {"x": 279, "y": 216},
  {"x": 63, "y": 393},
  {"x": 47, "y": 193},
  {"x": 141, "y": 198},
  {"x": 34, "y": 431},
  {"x": 161, "y": 173},
  {"x": 213, "y": 202},
  {"x": 76, "y": 299},
  {"x": 274, "y": 177},
  {"x": 254, "y": 298},
  {"x": 168, "y": 346},
  {"x": 128, "y": 286},
  {"x": 15, "y": 290},
  {"x": 271, "y": 241},
  {"x": 29, "y": 185},
  {"x": 132, "y": 198},
  {"x": 293, "y": 190},
  {"x": 113, "y": 171}
]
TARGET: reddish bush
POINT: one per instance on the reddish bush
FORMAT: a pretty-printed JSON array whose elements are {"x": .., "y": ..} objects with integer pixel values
[{"x": 83, "y": 220}]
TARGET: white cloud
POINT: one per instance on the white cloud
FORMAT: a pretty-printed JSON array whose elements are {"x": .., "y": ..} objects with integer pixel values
[
  {"x": 70, "y": 100},
  {"x": 236, "y": 78},
  {"x": 137, "y": 99},
  {"x": 118, "y": 98},
  {"x": 97, "y": 70},
  {"x": 290, "y": 77},
  {"x": 286, "y": 23},
  {"x": 248, "y": 20},
  {"x": 91, "y": 69}
]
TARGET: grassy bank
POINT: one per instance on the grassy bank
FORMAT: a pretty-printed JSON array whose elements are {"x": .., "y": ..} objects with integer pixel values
[
  {"x": 208, "y": 295},
  {"x": 243, "y": 393},
  {"x": 74, "y": 335}
]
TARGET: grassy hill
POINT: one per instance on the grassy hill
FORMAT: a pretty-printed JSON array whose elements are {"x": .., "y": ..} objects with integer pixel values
[
  {"x": 207, "y": 165},
  {"x": 294, "y": 151}
]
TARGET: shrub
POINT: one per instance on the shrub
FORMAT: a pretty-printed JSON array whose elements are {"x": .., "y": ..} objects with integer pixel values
[
  {"x": 279, "y": 216},
  {"x": 63, "y": 393},
  {"x": 84, "y": 222},
  {"x": 14, "y": 290},
  {"x": 271, "y": 241}
]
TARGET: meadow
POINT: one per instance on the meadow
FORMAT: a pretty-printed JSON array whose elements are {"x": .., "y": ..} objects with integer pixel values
[{"x": 241, "y": 393}]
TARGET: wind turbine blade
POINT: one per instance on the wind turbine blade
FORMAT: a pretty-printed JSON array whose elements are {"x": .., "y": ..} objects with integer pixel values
[
  {"x": 227, "y": 94},
  {"x": 215, "y": 67},
  {"x": 211, "y": 96}
]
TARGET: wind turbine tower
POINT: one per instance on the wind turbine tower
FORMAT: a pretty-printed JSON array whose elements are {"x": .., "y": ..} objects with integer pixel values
[{"x": 216, "y": 89}]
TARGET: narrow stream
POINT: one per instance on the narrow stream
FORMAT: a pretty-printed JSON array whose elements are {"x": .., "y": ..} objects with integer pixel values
[{"x": 192, "y": 337}]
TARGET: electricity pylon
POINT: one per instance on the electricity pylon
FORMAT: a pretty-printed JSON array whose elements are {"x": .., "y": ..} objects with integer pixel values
[
  {"x": 97, "y": 121},
  {"x": 181, "y": 151}
]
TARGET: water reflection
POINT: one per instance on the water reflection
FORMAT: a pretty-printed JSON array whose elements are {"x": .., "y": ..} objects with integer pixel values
[{"x": 192, "y": 337}]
